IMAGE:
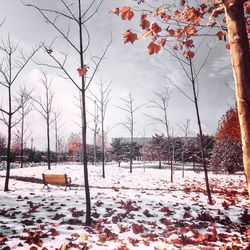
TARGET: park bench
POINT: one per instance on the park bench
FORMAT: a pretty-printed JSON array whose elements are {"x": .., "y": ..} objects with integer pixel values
[{"x": 56, "y": 179}]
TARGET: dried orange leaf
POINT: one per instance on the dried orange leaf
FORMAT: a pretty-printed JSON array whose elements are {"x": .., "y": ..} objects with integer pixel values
[
  {"x": 115, "y": 11},
  {"x": 163, "y": 42},
  {"x": 129, "y": 36},
  {"x": 177, "y": 13},
  {"x": 145, "y": 24},
  {"x": 82, "y": 71},
  {"x": 126, "y": 13},
  {"x": 155, "y": 28},
  {"x": 153, "y": 48},
  {"x": 221, "y": 35},
  {"x": 189, "y": 53}
]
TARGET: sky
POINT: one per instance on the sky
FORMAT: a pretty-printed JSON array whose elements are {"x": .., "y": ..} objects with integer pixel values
[{"x": 129, "y": 68}]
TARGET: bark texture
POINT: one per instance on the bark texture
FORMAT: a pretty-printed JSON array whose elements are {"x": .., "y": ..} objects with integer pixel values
[{"x": 240, "y": 56}]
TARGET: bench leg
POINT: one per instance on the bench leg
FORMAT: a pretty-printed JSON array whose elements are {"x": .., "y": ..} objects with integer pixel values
[{"x": 46, "y": 185}]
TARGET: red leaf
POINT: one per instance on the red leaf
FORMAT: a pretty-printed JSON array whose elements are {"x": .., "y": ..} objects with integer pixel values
[
  {"x": 171, "y": 32},
  {"x": 215, "y": 13},
  {"x": 129, "y": 37},
  {"x": 153, "y": 48},
  {"x": 221, "y": 35},
  {"x": 225, "y": 204},
  {"x": 155, "y": 28},
  {"x": 133, "y": 241},
  {"x": 212, "y": 202},
  {"x": 245, "y": 217},
  {"x": 176, "y": 241},
  {"x": 146, "y": 242},
  {"x": 122, "y": 248},
  {"x": 160, "y": 12},
  {"x": 163, "y": 42},
  {"x": 137, "y": 228},
  {"x": 82, "y": 71},
  {"x": 166, "y": 18},
  {"x": 145, "y": 24},
  {"x": 165, "y": 210},
  {"x": 98, "y": 203},
  {"x": 205, "y": 216},
  {"x": 189, "y": 43},
  {"x": 115, "y": 11},
  {"x": 166, "y": 221},
  {"x": 189, "y": 53},
  {"x": 190, "y": 31},
  {"x": 177, "y": 13},
  {"x": 126, "y": 13},
  {"x": 182, "y": 2}
]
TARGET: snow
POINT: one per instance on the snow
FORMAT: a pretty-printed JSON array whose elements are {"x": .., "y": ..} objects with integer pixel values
[{"x": 142, "y": 210}]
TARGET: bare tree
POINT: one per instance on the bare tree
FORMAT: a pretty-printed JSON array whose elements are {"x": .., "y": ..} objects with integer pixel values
[
  {"x": 192, "y": 75},
  {"x": 23, "y": 133},
  {"x": 95, "y": 130},
  {"x": 102, "y": 102},
  {"x": 130, "y": 110},
  {"x": 78, "y": 15},
  {"x": 57, "y": 115},
  {"x": 185, "y": 129},
  {"x": 11, "y": 67},
  {"x": 161, "y": 105},
  {"x": 44, "y": 106}
]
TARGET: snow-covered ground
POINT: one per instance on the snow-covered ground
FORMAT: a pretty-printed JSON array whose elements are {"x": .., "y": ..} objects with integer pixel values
[{"x": 143, "y": 210}]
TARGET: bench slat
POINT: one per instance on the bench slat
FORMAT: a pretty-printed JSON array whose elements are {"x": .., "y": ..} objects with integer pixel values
[{"x": 57, "y": 179}]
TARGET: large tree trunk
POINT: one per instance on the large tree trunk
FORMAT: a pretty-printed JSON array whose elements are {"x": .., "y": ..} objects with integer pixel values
[{"x": 240, "y": 56}]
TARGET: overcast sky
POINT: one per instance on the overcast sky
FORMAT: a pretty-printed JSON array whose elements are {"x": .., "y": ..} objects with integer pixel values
[{"x": 129, "y": 67}]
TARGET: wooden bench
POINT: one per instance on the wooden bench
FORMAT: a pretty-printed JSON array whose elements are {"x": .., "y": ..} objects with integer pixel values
[{"x": 56, "y": 179}]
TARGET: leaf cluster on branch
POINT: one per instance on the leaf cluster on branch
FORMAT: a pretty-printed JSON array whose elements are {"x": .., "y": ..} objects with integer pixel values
[{"x": 177, "y": 25}]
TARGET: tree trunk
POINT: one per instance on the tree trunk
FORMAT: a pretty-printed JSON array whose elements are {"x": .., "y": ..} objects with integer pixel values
[
  {"x": 22, "y": 135},
  {"x": 130, "y": 161},
  {"x": 103, "y": 147},
  {"x": 48, "y": 145},
  {"x": 6, "y": 186},
  {"x": 84, "y": 125},
  {"x": 171, "y": 170},
  {"x": 240, "y": 57},
  {"x": 204, "y": 164},
  {"x": 56, "y": 139},
  {"x": 183, "y": 163},
  {"x": 159, "y": 164},
  {"x": 193, "y": 163},
  {"x": 131, "y": 152},
  {"x": 95, "y": 147}
]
